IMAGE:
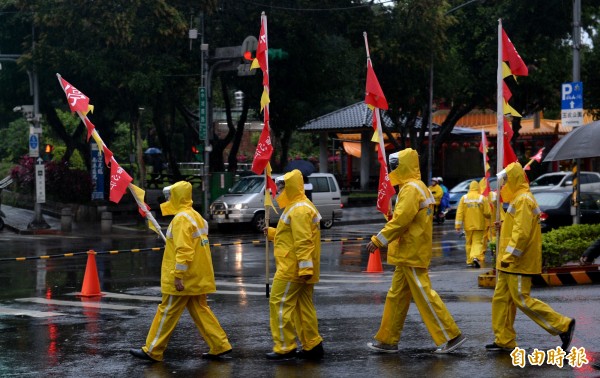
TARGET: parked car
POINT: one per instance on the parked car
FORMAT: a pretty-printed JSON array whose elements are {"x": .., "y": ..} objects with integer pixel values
[
  {"x": 245, "y": 202},
  {"x": 556, "y": 208},
  {"x": 563, "y": 181},
  {"x": 460, "y": 190}
]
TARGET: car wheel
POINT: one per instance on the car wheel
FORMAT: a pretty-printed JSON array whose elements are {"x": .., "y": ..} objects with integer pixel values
[
  {"x": 327, "y": 224},
  {"x": 258, "y": 222}
]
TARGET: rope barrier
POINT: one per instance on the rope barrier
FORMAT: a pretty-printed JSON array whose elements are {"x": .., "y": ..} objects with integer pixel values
[{"x": 137, "y": 250}]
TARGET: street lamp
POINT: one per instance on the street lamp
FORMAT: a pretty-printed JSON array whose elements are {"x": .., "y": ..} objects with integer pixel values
[{"x": 429, "y": 124}]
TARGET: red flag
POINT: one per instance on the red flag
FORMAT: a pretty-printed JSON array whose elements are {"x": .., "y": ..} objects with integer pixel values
[
  {"x": 508, "y": 131},
  {"x": 90, "y": 127},
  {"x": 374, "y": 94},
  {"x": 262, "y": 50},
  {"x": 510, "y": 55},
  {"x": 119, "y": 180},
  {"x": 385, "y": 190},
  {"x": 509, "y": 153},
  {"x": 271, "y": 185},
  {"x": 538, "y": 156},
  {"x": 264, "y": 150},
  {"x": 107, "y": 155},
  {"x": 506, "y": 93},
  {"x": 78, "y": 102}
]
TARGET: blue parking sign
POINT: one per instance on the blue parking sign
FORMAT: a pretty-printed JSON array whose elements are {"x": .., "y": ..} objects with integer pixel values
[{"x": 572, "y": 96}]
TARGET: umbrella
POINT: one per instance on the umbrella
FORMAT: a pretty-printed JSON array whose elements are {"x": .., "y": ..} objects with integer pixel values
[
  {"x": 304, "y": 166},
  {"x": 153, "y": 151},
  {"x": 582, "y": 142}
]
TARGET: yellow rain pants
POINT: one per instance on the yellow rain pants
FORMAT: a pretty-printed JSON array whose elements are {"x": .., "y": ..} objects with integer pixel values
[
  {"x": 512, "y": 291},
  {"x": 413, "y": 283},
  {"x": 291, "y": 308},
  {"x": 167, "y": 316},
  {"x": 475, "y": 246}
]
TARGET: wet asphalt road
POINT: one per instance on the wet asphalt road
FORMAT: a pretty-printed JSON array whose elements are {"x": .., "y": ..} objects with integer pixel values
[{"x": 45, "y": 330}]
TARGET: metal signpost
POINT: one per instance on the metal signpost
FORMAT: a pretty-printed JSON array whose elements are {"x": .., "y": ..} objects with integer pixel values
[{"x": 572, "y": 115}]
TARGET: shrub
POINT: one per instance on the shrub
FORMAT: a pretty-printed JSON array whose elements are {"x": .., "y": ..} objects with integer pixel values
[
  {"x": 567, "y": 243},
  {"x": 63, "y": 184}
]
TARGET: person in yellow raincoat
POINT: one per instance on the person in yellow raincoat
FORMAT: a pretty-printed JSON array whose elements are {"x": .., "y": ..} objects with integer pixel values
[
  {"x": 437, "y": 191},
  {"x": 297, "y": 249},
  {"x": 186, "y": 277},
  {"x": 408, "y": 236},
  {"x": 519, "y": 257},
  {"x": 472, "y": 215}
]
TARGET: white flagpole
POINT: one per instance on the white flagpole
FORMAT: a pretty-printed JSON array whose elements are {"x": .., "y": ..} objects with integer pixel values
[
  {"x": 97, "y": 137},
  {"x": 500, "y": 122},
  {"x": 263, "y": 18}
]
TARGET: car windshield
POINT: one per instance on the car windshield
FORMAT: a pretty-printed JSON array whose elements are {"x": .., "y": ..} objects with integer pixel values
[
  {"x": 463, "y": 186},
  {"x": 248, "y": 185},
  {"x": 547, "y": 199},
  {"x": 550, "y": 180}
]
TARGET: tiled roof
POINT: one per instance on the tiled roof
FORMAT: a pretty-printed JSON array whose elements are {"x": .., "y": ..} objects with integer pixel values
[{"x": 353, "y": 118}]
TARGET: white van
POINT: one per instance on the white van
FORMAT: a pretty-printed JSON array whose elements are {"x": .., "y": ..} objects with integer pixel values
[{"x": 245, "y": 201}]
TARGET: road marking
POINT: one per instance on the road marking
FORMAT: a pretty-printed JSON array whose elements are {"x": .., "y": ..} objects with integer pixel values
[
  {"x": 56, "y": 302},
  {"x": 30, "y": 313}
]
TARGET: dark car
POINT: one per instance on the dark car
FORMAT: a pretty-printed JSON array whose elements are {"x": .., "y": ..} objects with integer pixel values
[
  {"x": 556, "y": 208},
  {"x": 460, "y": 190}
]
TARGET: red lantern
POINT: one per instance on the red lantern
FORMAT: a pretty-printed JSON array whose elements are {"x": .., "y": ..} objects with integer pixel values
[
  {"x": 444, "y": 145},
  {"x": 466, "y": 144},
  {"x": 454, "y": 145}
]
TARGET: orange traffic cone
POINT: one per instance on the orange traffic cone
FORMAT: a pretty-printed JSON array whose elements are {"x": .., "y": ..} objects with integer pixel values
[
  {"x": 91, "y": 282},
  {"x": 374, "y": 265}
]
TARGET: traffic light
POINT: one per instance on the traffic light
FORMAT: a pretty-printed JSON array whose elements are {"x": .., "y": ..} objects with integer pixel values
[
  {"x": 48, "y": 148},
  {"x": 277, "y": 54},
  {"x": 197, "y": 151}
]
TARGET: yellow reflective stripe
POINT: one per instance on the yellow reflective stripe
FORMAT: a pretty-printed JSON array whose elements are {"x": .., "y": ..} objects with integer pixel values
[
  {"x": 182, "y": 267},
  {"x": 514, "y": 251},
  {"x": 382, "y": 239},
  {"x": 281, "y": 336},
  {"x": 285, "y": 217},
  {"x": 426, "y": 298},
  {"x": 305, "y": 264},
  {"x": 162, "y": 323},
  {"x": 429, "y": 200}
]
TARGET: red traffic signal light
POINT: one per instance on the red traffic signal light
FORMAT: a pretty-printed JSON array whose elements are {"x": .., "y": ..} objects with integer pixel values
[{"x": 195, "y": 150}]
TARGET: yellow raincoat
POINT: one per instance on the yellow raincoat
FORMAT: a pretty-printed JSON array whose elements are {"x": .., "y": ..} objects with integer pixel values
[
  {"x": 187, "y": 253},
  {"x": 521, "y": 235},
  {"x": 473, "y": 214},
  {"x": 437, "y": 192},
  {"x": 297, "y": 250},
  {"x": 408, "y": 236},
  {"x": 186, "y": 257},
  {"x": 519, "y": 257}
]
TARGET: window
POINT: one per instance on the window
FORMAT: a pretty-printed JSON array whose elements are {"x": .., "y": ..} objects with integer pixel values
[
  {"x": 551, "y": 200},
  {"x": 332, "y": 184},
  {"x": 320, "y": 184}
]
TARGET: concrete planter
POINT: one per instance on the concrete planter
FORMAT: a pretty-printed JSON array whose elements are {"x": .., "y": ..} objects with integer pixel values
[{"x": 561, "y": 276}]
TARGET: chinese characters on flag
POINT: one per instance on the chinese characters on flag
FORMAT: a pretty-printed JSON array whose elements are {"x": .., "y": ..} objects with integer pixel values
[{"x": 119, "y": 180}]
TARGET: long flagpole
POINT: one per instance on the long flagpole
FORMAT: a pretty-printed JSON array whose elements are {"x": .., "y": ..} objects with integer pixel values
[
  {"x": 263, "y": 18},
  {"x": 97, "y": 137},
  {"x": 500, "y": 123}
]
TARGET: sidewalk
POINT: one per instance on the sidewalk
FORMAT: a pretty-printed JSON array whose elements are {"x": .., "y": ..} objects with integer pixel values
[{"x": 18, "y": 220}]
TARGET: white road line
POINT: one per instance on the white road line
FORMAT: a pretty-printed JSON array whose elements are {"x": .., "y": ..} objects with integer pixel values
[
  {"x": 30, "y": 313},
  {"x": 56, "y": 302}
]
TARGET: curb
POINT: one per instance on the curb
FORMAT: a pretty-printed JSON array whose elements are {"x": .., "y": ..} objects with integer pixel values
[{"x": 585, "y": 276}]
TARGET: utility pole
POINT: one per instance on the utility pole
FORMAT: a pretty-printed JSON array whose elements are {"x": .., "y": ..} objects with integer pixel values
[{"x": 576, "y": 78}]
